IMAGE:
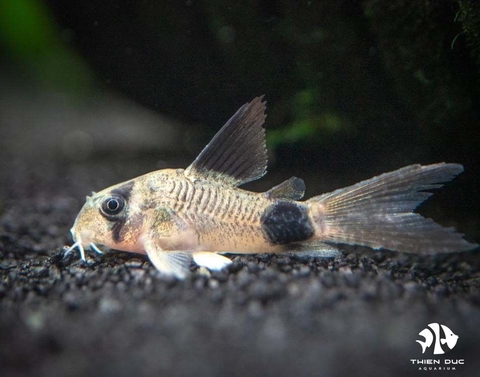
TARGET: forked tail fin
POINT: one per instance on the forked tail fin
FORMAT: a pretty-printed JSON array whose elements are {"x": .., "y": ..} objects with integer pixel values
[{"x": 378, "y": 212}]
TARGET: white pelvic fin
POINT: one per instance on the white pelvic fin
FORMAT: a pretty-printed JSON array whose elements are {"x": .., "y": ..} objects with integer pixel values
[
  {"x": 211, "y": 260},
  {"x": 173, "y": 263}
]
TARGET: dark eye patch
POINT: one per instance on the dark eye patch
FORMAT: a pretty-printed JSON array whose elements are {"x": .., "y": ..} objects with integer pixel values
[{"x": 125, "y": 190}]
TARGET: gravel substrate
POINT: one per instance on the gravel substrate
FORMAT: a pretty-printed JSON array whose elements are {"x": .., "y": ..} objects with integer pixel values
[{"x": 359, "y": 314}]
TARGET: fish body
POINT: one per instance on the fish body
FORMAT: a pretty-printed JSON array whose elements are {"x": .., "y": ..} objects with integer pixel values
[{"x": 176, "y": 215}]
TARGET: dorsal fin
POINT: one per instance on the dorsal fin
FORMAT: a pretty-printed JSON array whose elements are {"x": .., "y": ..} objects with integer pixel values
[
  {"x": 237, "y": 154},
  {"x": 293, "y": 188}
]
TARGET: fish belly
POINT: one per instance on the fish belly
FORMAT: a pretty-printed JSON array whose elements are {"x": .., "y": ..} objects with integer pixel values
[{"x": 235, "y": 239}]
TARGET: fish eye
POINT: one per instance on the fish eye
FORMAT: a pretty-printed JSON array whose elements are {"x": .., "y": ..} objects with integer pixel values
[{"x": 112, "y": 206}]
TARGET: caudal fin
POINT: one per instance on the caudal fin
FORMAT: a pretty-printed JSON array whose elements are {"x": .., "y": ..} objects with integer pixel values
[{"x": 378, "y": 212}]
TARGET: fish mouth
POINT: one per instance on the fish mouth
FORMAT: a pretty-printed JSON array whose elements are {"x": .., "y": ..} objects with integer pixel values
[
  {"x": 78, "y": 244},
  {"x": 81, "y": 249}
]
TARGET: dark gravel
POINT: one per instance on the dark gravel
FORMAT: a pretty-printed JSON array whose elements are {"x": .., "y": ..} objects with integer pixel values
[{"x": 359, "y": 314}]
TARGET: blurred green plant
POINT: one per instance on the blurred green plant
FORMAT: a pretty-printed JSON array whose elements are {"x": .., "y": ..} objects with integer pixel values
[
  {"x": 468, "y": 15},
  {"x": 309, "y": 124},
  {"x": 34, "y": 42},
  {"x": 432, "y": 61}
]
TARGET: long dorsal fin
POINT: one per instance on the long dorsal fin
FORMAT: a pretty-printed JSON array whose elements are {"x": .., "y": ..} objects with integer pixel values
[
  {"x": 293, "y": 188},
  {"x": 237, "y": 154}
]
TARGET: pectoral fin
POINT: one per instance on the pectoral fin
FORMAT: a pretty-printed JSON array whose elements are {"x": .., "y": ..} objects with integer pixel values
[
  {"x": 237, "y": 154},
  {"x": 210, "y": 260},
  {"x": 174, "y": 263}
]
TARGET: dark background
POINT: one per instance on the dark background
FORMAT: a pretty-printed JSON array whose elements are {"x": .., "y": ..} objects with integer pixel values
[
  {"x": 353, "y": 88},
  {"x": 94, "y": 93}
]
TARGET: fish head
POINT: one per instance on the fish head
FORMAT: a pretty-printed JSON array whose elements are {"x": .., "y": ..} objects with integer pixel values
[
  {"x": 450, "y": 338},
  {"x": 113, "y": 217}
]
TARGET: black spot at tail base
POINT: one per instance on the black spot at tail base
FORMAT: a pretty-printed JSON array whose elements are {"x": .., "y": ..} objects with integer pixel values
[{"x": 286, "y": 222}]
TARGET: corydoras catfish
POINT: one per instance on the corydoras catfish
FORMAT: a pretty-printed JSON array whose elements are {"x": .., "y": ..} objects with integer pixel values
[{"x": 176, "y": 215}]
